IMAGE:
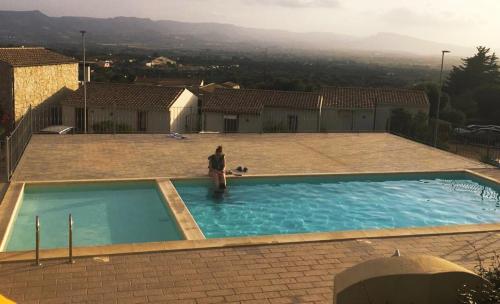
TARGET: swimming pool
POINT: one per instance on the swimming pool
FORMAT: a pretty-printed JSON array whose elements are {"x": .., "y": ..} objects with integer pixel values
[
  {"x": 103, "y": 214},
  {"x": 285, "y": 205}
]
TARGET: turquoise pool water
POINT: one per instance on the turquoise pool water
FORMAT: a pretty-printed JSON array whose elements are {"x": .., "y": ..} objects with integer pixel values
[
  {"x": 103, "y": 214},
  {"x": 265, "y": 206}
]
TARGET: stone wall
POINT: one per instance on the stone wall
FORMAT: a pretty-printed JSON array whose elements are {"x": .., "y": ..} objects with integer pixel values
[
  {"x": 37, "y": 84},
  {"x": 5, "y": 88}
]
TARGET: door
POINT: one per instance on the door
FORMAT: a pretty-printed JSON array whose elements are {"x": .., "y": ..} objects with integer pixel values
[
  {"x": 230, "y": 123},
  {"x": 293, "y": 123},
  {"x": 142, "y": 121},
  {"x": 79, "y": 120}
]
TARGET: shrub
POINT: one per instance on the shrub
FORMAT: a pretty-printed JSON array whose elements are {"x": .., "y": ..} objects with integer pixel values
[{"x": 487, "y": 293}]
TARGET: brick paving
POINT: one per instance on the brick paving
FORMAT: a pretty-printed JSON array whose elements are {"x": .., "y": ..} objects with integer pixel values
[
  {"x": 55, "y": 157},
  {"x": 289, "y": 273},
  {"x": 292, "y": 273}
]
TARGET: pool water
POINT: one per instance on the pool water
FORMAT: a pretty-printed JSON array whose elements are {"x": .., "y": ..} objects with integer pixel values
[
  {"x": 264, "y": 206},
  {"x": 103, "y": 214}
]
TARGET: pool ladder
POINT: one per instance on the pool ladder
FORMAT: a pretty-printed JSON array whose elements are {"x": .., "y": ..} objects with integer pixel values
[{"x": 37, "y": 240}]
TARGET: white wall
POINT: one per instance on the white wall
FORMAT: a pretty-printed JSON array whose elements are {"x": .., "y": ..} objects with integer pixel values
[
  {"x": 334, "y": 120},
  {"x": 157, "y": 122},
  {"x": 184, "y": 113},
  {"x": 276, "y": 119},
  {"x": 247, "y": 123}
]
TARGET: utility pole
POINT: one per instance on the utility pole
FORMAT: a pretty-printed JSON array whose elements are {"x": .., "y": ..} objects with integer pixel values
[
  {"x": 84, "y": 84},
  {"x": 436, "y": 125}
]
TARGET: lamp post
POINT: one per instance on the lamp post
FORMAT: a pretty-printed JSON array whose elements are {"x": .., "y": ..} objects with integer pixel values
[
  {"x": 84, "y": 84},
  {"x": 436, "y": 125}
]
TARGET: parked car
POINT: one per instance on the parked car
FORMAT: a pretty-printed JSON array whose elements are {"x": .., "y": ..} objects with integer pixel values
[{"x": 479, "y": 134}]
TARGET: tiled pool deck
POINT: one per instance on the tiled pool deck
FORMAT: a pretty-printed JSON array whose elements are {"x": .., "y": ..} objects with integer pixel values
[{"x": 282, "y": 273}]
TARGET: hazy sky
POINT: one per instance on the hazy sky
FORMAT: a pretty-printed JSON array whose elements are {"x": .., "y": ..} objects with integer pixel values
[{"x": 463, "y": 22}]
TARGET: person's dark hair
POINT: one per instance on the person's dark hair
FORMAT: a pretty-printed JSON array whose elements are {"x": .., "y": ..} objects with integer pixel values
[{"x": 219, "y": 149}]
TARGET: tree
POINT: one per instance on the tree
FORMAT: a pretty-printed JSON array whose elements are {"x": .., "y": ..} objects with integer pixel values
[
  {"x": 488, "y": 103},
  {"x": 468, "y": 83},
  {"x": 432, "y": 91},
  {"x": 476, "y": 71},
  {"x": 401, "y": 121}
]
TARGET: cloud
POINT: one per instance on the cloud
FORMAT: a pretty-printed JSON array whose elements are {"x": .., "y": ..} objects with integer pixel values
[
  {"x": 297, "y": 3},
  {"x": 409, "y": 18}
]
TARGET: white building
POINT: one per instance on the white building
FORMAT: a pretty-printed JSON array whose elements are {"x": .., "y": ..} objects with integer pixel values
[
  {"x": 331, "y": 110},
  {"x": 367, "y": 109},
  {"x": 132, "y": 108},
  {"x": 255, "y": 111},
  {"x": 160, "y": 61}
]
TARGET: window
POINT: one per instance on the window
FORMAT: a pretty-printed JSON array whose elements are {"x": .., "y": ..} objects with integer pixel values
[
  {"x": 142, "y": 121},
  {"x": 55, "y": 116},
  {"x": 230, "y": 123},
  {"x": 293, "y": 123}
]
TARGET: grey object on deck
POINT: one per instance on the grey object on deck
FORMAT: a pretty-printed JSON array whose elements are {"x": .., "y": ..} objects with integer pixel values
[{"x": 59, "y": 129}]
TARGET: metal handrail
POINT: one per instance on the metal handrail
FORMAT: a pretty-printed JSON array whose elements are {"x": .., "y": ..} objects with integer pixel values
[
  {"x": 37, "y": 241},
  {"x": 70, "y": 239},
  {"x": 17, "y": 141}
]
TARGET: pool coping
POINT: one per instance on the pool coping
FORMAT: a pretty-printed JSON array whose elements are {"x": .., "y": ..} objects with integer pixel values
[
  {"x": 184, "y": 220},
  {"x": 194, "y": 236}
]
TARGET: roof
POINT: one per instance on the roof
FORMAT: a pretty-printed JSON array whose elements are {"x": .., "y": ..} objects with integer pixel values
[
  {"x": 368, "y": 98},
  {"x": 179, "y": 82},
  {"x": 32, "y": 56},
  {"x": 126, "y": 96},
  {"x": 245, "y": 101}
]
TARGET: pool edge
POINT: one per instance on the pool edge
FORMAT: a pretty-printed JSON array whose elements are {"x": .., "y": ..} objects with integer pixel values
[
  {"x": 241, "y": 241},
  {"x": 10, "y": 207},
  {"x": 176, "y": 206},
  {"x": 120, "y": 249}
]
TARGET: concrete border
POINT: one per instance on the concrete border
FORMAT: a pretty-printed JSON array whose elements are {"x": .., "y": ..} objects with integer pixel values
[
  {"x": 185, "y": 221},
  {"x": 8, "y": 211}
]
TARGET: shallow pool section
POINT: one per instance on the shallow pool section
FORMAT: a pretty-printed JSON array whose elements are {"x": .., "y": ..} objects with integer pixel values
[
  {"x": 265, "y": 206},
  {"x": 103, "y": 214}
]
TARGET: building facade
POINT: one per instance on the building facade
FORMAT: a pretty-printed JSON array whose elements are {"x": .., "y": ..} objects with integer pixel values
[
  {"x": 256, "y": 111},
  {"x": 331, "y": 110},
  {"x": 33, "y": 76},
  {"x": 367, "y": 109},
  {"x": 129, "y": 108}
]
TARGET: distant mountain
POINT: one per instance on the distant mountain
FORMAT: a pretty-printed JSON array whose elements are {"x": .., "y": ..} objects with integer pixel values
[{"x": 36, "y": 28}]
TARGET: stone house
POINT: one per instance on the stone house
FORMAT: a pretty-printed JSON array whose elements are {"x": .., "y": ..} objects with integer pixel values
[
  {"x": 127, "y": 108},
  {"x": 367, "y": 109},
  {"x": 30, "y": 76},
  {"x": 255, "y": 111}
]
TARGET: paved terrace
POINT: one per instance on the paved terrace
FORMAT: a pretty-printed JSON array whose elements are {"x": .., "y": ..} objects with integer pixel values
[
  {"x": 286, "y": 273},
  {"x": 70, "y": 157}
]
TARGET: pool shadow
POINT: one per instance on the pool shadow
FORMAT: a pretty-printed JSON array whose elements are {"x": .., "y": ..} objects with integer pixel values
[{"x": 144, "y": 223}]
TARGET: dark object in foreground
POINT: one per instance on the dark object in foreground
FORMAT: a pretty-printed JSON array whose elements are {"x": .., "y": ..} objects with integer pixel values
[{"x": 419, "y": 279}]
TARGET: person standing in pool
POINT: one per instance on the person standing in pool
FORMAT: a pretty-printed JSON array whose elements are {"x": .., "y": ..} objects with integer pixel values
[{"x": 217, "y": 167}]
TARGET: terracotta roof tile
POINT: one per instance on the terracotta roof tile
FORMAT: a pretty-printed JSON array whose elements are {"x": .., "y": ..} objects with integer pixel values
[
  {"x": 126, "y": 96},
  {"x": 366, "y": 98},
  {"x": 244, "y": 101},
  {"x": 29, "y": 56}
]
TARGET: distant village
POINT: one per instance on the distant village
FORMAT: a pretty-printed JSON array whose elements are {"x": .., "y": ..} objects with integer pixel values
[{"x": 38, "y": 78}]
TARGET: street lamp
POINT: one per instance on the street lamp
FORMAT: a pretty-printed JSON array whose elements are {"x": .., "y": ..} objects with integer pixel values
[
  {"x": 84, "y": 84},
  {"x": 436, "y": 125}
]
